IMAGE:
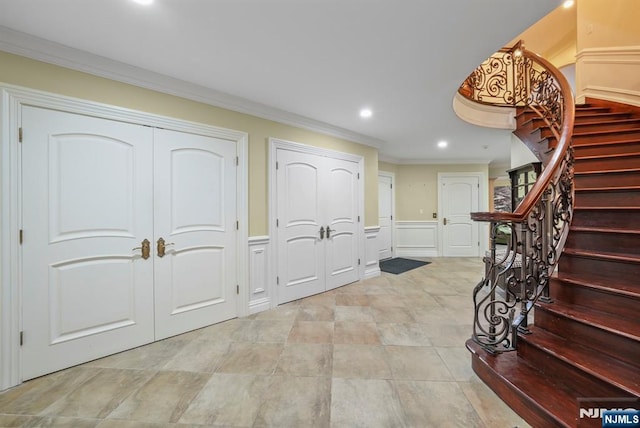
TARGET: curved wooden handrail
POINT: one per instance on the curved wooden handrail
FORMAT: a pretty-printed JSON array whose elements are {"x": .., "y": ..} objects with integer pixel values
[{"x": 553, "y": 166}]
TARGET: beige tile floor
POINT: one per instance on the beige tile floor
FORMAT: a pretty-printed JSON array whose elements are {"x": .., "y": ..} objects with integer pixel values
[{"x": 384, "y": 352}]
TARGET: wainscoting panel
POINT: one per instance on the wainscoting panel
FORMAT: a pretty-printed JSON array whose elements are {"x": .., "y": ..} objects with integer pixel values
[
  {"x": 416, "y": 239},
  {"x": 371, "y": 267},
  {"x": 259, "y": 290},
  {"x": 609, "y": 74}
]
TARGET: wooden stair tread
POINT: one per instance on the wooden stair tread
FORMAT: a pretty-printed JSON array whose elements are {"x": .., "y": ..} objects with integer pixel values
[
  {"x": 607, "y": 209},
  {"x": 606, "y": 132},
  {"x": 617, "y": 155},
  {"x": 529, "y": 385},
  {"x": 612, "y": 171},
  {"x": 604, "y": 230},
  {"x": 600, "y": 366},
  {"x": 614, "y": 121},
  {"x": 608, "y": 189},
  {"x": 623, "y": 290},
  {"x": 600, "y": 320},
  {"x": 607, "y": 143},
  {"x": 603, "y": 256}
]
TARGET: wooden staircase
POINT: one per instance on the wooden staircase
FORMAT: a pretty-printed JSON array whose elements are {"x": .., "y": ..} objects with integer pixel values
[{"x": 586, "y": 343}]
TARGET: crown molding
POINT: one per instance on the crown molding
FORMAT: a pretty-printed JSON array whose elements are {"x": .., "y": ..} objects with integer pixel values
[
  {"x": 395, "y": 161},
  {"x": 39, "y": 49}
]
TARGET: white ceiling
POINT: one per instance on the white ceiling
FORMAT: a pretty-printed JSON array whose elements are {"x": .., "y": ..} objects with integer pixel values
[{"x": 309, "y": 62}]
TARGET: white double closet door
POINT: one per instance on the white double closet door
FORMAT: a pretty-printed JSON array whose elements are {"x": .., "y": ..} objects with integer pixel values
[
  {"x": 92, "y": 191},
  {"x": 317, "y": 217}
]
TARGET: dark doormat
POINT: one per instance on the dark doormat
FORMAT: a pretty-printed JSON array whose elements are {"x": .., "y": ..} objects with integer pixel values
[{"x": 400, "y": 265}]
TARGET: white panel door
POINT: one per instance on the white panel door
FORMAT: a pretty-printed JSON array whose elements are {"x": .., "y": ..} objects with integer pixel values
[
  {"x": 340, "y": 188},
  {"x": 459, "y": 196},
  {"x": 87, "y": 203},
  {"x": 317, "y": 215},
  {"x": 385, "y": 217},
  {"x": 301, "y": 254},
  {"x": 195, "y": 214}
]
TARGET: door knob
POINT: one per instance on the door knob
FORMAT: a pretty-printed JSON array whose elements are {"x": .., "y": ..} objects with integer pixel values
[
  {"x": 329, "y": 230},
  {"x": 321, "y": 233},
  {"x": 145, "y": 247},
  {"x": 162, "y": 246}
]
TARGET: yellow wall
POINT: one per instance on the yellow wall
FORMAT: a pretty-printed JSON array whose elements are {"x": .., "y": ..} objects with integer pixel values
[
  {"x": 417, "y": 189},
  {"x": 608, "y": 50},
  {"x": 387, "y": 167},
  {"x": 28, "y": 73},
  {"x": 604, "y": 24}
]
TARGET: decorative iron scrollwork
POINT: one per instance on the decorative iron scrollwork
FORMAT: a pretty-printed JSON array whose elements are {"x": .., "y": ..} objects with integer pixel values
[{"x": 518, "y": 275}]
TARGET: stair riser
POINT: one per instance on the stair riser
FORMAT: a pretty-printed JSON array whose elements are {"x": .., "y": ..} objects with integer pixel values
[
  {"x": 611, "y": 179},
  {"x": 610, "y": 243},
  {"x": 598, "y": 127},
  {"x": 623, "y": 219},
  {"x": 607, "y": 149},
  {"x": 605, "y": 137},
  {"x": 609, "y": 198},
  {"x": 601, "y": 271},
  {"x": 607, "y": 164},
  {"x": 600, "y": 341},
  {"x": 607, "y": 117},
  {"x": 566, "y": 374},
  {"x": 616, "y": 304}
]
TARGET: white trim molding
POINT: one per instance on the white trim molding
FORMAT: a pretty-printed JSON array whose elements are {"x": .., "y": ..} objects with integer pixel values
[
  {"x": 371, "y": 259},
  {"x": 12, "y": 98},
  {"x": 416, "y": 239},
  {"x": 484, "y": 115},
  {"x": 609, "y": 73},
  {"x": 260, "y": 288}
]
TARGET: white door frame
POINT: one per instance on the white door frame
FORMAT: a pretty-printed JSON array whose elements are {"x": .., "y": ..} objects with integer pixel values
[
  {"x": 274, "y": 145},
  {"x": 483, "y": 203},
  {"x": 392, "y": 176},
  {"x": 11, "y": 100}
]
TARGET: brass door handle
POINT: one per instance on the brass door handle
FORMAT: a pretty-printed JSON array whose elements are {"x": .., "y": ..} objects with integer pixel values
[
  {"x": 321, "y": 233},
  {"x": 145, "y": 247},
  {"x": 162, "y": 246}
]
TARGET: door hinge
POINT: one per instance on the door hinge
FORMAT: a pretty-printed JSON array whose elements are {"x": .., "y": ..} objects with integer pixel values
[
  {"x": 358, "y": 262},
  {"x": 21, "y": 236},
  {"x": 358, "y": 219},
  {"x": 277, "y": 165},
  {"x": 21, "y": 338},
  {"x": 391, "y": 249},
  {"x": 391, "y": 217},
  {"x": 277, "y": 223},
  {"x": 277, "y": 280},
  {"x": 237, "y": 288},
  {"x": 237, "y": 225},
  {"x": 237, "y": 161},
  {"x": 358, "y": 176},
  {"x": 391, "y": 186},
  {"x": 20, "y": 134}
]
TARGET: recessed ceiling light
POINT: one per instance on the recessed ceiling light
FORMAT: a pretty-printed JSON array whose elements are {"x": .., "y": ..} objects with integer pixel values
[
  {"x": 144, "y": 2},
  {"x": 568, "y": 3},
  {"x": 442, "y": 144},
  {"x": 366, "y": 113}
]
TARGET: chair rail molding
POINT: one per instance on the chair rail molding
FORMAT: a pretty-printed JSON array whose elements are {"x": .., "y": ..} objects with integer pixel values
[{"x": 416, "y": 238}]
